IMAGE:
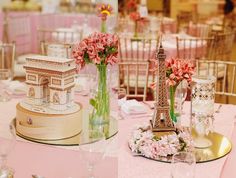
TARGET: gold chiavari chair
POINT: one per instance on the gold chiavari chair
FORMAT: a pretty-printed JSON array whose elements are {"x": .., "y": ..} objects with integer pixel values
[
  {"x": 7, "y": 56},
  {"x": 195, "y": 48},
  {"x": 59, "y": 35},
  {"x": 122, "y": 24},
  {"x": 183, "y": 19},
  {"x": 135, "y": 87},
  {"x": 199, "y": 30},
  {"x": 223, "y": 45},
  {"x": 229, "y": 21},
  {"x": 226, "y": 79},
  {"x": 18, "y": 31},
  {"x": 56, "y": 49},
  {"x": 138, "y": 50}
]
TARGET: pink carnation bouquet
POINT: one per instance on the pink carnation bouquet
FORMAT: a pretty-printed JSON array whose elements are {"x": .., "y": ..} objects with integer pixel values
[
  {"x": 131, "y": 5},
  {"x": 98, "y": 48},
  {"x": 178, "y": 70}
]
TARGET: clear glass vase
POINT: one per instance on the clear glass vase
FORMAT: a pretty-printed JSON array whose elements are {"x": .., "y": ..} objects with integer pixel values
[
  {"x": 100, "y": 100},
  {"x": 177, "y": 96},
  {"x": 202, "y": 109}
]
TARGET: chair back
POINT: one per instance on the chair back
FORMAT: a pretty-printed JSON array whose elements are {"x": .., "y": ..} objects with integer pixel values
[
  {"x": 56, "y": 49},
  {"x": 230, "y": 21},
  {"x": 199, "y": 30},
  {"x": 183, "y": 19},
  {"x": 225, "y": 73},
  {"x": 7, "y": 56},
  {"x": 18, "y": 31},
  {"x": 195, "y": 48},
  {"x": 60, "y": 35},
  {"x": 223, "y": 45},
  {"x": 137, "y": 49},
  {"x": 134, "y": 77}
]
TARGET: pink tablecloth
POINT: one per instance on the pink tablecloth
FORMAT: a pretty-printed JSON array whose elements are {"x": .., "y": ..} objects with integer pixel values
[
  {"x": 132, "y": 167},
  {"x": 55, "y": 162},
  {"x": 51, "y": 161}
]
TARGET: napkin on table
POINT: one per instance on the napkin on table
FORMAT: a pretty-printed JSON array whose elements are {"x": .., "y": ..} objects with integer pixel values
[{"x": 133, "y": 107}]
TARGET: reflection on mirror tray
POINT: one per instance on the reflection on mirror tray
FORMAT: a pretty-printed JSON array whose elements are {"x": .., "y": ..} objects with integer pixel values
[{"x": 111, "y": 128}]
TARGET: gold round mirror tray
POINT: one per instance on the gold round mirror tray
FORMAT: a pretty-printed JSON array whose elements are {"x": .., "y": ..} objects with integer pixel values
[
  {"x": 110, "y": 129},
  {"x": 221, "y": 146}
]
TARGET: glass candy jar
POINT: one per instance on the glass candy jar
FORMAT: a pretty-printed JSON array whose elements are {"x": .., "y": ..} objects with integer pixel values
[{"x": 202, "y": 109}]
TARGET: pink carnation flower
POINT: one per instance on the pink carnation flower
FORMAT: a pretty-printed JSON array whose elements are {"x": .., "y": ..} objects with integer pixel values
[
  {"x": 98, "y": 48},
  {"x": 177, "y": 70}
]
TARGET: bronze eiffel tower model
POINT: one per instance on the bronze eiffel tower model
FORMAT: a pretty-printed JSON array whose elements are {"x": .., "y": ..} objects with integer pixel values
[{"x": 161, "y": 121}]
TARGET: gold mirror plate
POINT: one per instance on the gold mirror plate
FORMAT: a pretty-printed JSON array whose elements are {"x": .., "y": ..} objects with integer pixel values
[
  {"x": 221, "y": 146},
  {"x": 112, "y": 129}
]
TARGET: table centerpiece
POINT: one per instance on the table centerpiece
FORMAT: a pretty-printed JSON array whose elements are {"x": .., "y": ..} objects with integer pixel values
[
  {"x": 162, "y": 138},
  {"x": 99, "y": 49}
]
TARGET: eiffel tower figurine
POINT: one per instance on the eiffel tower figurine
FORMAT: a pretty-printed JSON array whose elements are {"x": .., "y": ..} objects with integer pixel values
[{"x": 161, "y": 121}]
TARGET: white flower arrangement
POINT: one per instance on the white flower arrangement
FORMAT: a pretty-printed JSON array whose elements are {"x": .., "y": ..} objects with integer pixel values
[{"x": 145, "y": 143}]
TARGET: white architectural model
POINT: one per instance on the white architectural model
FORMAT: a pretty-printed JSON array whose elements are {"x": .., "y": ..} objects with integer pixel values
[
  {"x": 49, "y": 111},
  {"x": 50, "y": 84}
]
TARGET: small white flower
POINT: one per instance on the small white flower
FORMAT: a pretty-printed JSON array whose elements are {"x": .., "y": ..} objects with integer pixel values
[{"x": 142, "y": 142}]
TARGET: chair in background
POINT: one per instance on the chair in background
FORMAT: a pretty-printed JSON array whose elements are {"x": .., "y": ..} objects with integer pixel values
[
  {"x": 7, "y": 56},
  {"x": 56, "y": 49},
  {"x": 229, "y": 21},
  {"x": 195, "y": 48},
  {"x": 18, "y": 31},
  {"x": 183, "y": 19},
  {"x": 134, "y": 77},
  {"x": 156, "y": 25},
  {"x": 137, "y": 50},
  {"x": 60, "y": 35},
  {"x": 226, "y": 79},
  {"x": 199, "y": 30},
  {"x": 223, "y": 45}
]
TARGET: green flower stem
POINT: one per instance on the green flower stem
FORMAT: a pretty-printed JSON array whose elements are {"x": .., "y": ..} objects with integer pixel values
[
  {"x": 103, "y": 26},
  {"x": 172, "y": 103},
  {"x": 103, "y": 109}
]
